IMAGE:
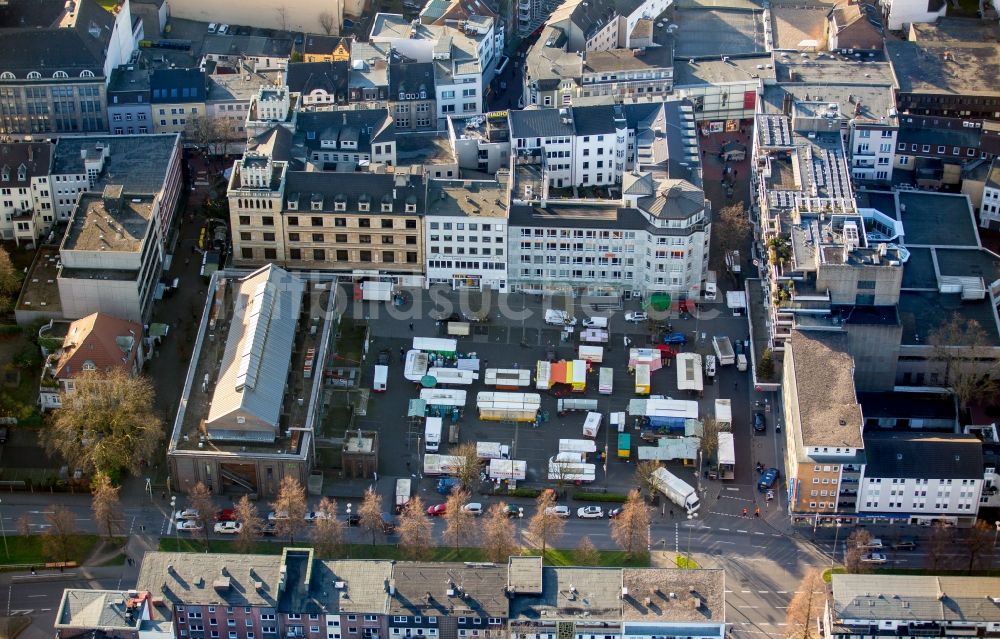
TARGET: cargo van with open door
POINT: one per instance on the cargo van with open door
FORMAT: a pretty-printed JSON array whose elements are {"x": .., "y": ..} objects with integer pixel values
[{"x": 381, "y": 379}]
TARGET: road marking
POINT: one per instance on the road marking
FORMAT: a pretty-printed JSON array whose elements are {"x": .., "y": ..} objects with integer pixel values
[
  {"x": 742, "y": 531},
  {"x": 781, "y": 592},
  {"x": 745, "y": 592},
  {"x": 719, "y": 541},
  {"x": 759, "y": 533},
  {"x": 45, "y": 610},
  {"x": 754, "y": 546},
  {"x": 751, "y": 607},
  {"x": 763, "y": 592},
  {"x": 732, "y": 488},
  {"x": 724, "y": 529},
  {"x": 36, "y": 596}
]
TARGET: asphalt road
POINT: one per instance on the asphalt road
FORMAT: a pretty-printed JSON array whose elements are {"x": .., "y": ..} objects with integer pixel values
[{"x": 39, "y": 596}]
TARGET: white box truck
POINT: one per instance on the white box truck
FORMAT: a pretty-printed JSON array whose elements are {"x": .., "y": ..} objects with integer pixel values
[
  {"x": 606, "y": 380},
  {"x": 711, "y": 288},
  {"x": 724, "y": 350},
  {"x": 677, "y": 490},
  {"x": 402, "y": 493},
  {"x": 492, "y": 450},
  {"x": 381, "y": 379},
  {"x": 509, "y": 469},
  {"x": 376, "y": 291},
  {"x": 432, "y": 434},
  {"x": 591, "y": 424}
]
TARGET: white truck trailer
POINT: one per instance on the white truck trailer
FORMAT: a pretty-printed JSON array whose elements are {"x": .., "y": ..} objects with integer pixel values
[
  {"x": 583, "y": 473},
  {"x": 402, "y": 493},
  {"x": 677, "y": 490},
  {"x": 689, "y": 373},
  {"x": 509, "y": 469},
  {"x": 442, "y": 464},
  {"x": 724, "y": 350},
  {"x": 492, "y": 450}
]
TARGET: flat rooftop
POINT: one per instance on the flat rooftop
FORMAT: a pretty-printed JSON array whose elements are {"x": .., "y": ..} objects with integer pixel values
[
  {"x": 799, "y": 27},
  {"x": 492, "y": 127},
  {"x": 109, "y": 222},
  {"x": 105, "y": 609},
  {"x": 711, "y": 32},
  {"x": 829, "y": 413},
  {"x": 932, "y": 598},
  {"x": 139, "y": 163},
  {"x": 40, "y": 291},
  {"x": 472, "y": 198},
  {"x": 919, "y": 272},
  {"x": 922, "y": 313},
  {"x": 424, "y": 148},
  {"x": 596, "y": 592},
  {"x": 935, "y": 406},
  {"x": 711, "y": 72},
  {"x": 951, "y": 68},
  {"x": 925, "y": 215},
  {"x": 674, "y": 595}
]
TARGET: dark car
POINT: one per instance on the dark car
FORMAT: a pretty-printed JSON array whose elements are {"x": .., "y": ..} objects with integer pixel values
[
  {"x": 354, "y": 519},
  {"x": 759, "y": 423},
  {"x": 767, "y": 479},
  {"x": 614, "y": 513},
  {"x": 904, "y": 545},
  {"x": 269, "y": 529},
  {"x": 513, "y": 510},
  {"x": 384, "y": 357}
]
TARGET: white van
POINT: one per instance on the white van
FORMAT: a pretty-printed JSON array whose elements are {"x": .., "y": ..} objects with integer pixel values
[
  {"x": 432, "y": 434},
  {"x": 381, "y": 379},
  {"x": 741, "y": 362},
  {"x": 710, "y": 366},
  {"x": 595, "y": 322}
]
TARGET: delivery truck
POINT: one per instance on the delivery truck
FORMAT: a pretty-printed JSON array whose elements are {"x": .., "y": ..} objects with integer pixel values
[
  {"x": 508, "y": 469},
  {"x": 727, "y": 456},
  {"x": 432, "y": 434},
  {"x": 381, "y": 379},
  {"x": 492, "y": 450},
  {"x": 723, "y": 350},
  {"x": 624, "y": 445},
  {"x": 724, "y": 414},
  {"x": 711, "y": 287},
  {"x": 642, "y": 375},
  {"x": 591, "y": 424},
  {"x": 677, "y": 490},
  {"x": 578, "y": 473},
  {"x": 606, "y": 378},
  {"x": 442, "y": 464},
  {"x": 402, "y": 493}
]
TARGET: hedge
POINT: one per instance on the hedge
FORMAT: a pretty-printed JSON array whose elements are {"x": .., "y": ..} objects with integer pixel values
[
  {"x": 612, "y": 497},
  {"x": 524, "y": 492}
]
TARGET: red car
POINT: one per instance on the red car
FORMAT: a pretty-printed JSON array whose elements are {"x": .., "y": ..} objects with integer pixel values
[
  {"x": 227, "y": 514},
  {"x": 437, "y": 510}
]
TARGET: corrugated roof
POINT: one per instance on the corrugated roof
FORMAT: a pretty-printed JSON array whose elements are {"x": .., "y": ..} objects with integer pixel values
[{"x": 258, "y": 350}]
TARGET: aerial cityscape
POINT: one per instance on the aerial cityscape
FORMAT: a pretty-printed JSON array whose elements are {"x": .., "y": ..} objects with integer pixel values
[{"x": 499, "y": 319}]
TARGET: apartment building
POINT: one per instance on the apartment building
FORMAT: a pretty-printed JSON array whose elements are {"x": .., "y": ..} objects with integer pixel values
[
  {"x": 257, "y": 52},
  {"x": 921, "y": 478},
  {"x": 320, "y": 48},
  {"x": 284, "y": 595},
  {"x": 900, "y": 14},
  {"x": 463, "y": 57},
  {"x": 877, "y": 606},
  {"x": 319, "y": 84},
  {"x": 26, "y": 211},
  {"x": 273, "y": 106},
  {"x": 412, "y": 96},
  {"x": 481, "y": 143},
  {"x": 178, "y": 97},
  {"x": 348, "y": 139},
  {"x": 466, "y": 234},
  {"x": 723, "y": 89},
  {"x": 57, "y": 61},
  {"x": 242, "y": 426},
  {"x": 989, "y": 212},
  {"x": 935, "y": 150},
  {"x": 369, "y": 77},
  {"x": 345, "y": 222},
  {"x": 129, "y": 108},
  {"x": 824, "y": 449}
]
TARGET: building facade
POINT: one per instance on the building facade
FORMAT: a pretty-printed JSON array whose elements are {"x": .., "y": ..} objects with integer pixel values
[{"x": 26, "y": 210}]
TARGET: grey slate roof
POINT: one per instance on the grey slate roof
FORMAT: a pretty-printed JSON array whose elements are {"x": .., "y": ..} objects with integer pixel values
[
  {"x": 74, "y": 48},
  {"x": 915, "y": 598},
  {"x": 923, "y": 456},
  {"x": 423, "y": 589},
  {"x": 365, "y": 125},
  {"x": 539, "y": 123},
  {"x": 411, "y": 78},
  {"x": 172, "y": 86},
  {"x": 234, "y": 45},
  {"x": 137, "y": 162},
  {"x": 573, "y": 593},
  {"x": 305, "y": 77},
  {"x": 35, "y": 157},
  {"x": 303, "y": 186}
]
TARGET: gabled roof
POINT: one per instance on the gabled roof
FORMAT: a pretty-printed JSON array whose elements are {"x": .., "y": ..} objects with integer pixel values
[
  {"x": 923, "y": 456},
  {"x": 259, "y": 347},
  {"x": 306, "y": 77},
  {"x": 366, "y": 125},
  {"x": 326, "y": 45},
  {"x": 674, "y": 199},
  {"x": 31, "y": 159},
  {"x": 98, "y": 342},
  {"x": 411, "y": 78},
  {"x": 75, "y": 42}
]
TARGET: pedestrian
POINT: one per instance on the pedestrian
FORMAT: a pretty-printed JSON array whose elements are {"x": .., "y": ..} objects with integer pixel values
[
  {"x": 671, "y": 512},
  {"x": 163, "y": 495},
  {"x": 736, "y": 385},
  {"x": 142, "y": 527},
  {"x": 411, "y": 327}
]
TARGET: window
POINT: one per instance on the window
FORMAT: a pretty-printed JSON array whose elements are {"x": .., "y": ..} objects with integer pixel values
[
  {"x": 342, "y": 255},
  {"x": 244, "y": 220},
  {"x": 292, "y": 237},
  {"x": 270, "y": 254},
  {"x": 317, "y": 237},
  {"x": 267, "y": 220},
  {"x": 268, "y": 237},
  {"x": 386, "y": 224},
  {"x": 293, "y": 221},
  {"x": 246, "y": 253},
  {"x": 316, "y": 221},
  {"x": 319, "y": 255}
]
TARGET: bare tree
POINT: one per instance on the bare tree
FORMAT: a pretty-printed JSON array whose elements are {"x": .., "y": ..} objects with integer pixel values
[
  {"x": 328, "y": 533},
  {"x": 282, "y": 12},
  {"x": 251, "y": 524},
  {"x": 979, "y": 544},
  {"x": 962, "y": 347},
  {"x": 289, "y": 508},
  {"x": 106, "y": 505},
  {"x": 467, "y": 472},
  {"x": 630, "y": 529},
  {"x": 10, "y": 282},
  {"x": 709, "y": 438},
  {"x": 856, "y": 545},
  {"x": 939, "y": 544},
  {"x": 644, "y": 473},
  {"x": 108, "y": 423},
  {"x": 459, "y": 522},
  {"x": 415, "y": 530},
  {"x": 545, "y": 525},
  {"x": 497, "y": 540},
  {"x": 731, "y": 227},
  {"x": 57, "y": 540},
  {"x": 370, "y": 514},
  {"x": 806, "y": 607},
  {"x": 328, "y": 22},
  {"x": 586, "y": 553},
  {"x": 200, "y": 498},
  {"x": 24, "y": 525}
]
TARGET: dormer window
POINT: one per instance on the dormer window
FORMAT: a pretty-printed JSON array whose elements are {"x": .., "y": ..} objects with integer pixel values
[
  {"x": 22, "y": 173},
  {"x": 7, "y": 75},
  {"x": 87, "y": 73},
  {"x": 387, "y": 207},
  {"x": 364, "y": 205},
  {"x": 310, "y": 135},
  {"x": 293, "y": 205},
  {"x": 34, "y": 75},
  {"x": 411, "y": 208},
  {"x": 5, "y": 173},
  {"x": 317, "y": 205},
  {"x": 340, "y": 203},
  {"x": 423, "y": 94},
  {"x": 60, "y": 74}
]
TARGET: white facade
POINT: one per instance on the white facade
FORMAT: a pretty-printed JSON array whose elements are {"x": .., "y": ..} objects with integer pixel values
[
  {"x": 920, "y": 498},
  {"x": 989, "y": 212},
  {"x": 462, "y": 98},
  {"x": 31, "y": 205},
  {"x": 466, "y": 252},
  {"x": 902, "y": 13},
  {"x": 582, "y": 160},
  {"x": 872, "y": 151}
]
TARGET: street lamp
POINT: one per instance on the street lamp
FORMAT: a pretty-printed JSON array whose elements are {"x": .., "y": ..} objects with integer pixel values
[
  {"x": 177, "y": 537},
  {"x": 4, "y": 531},
  {"x": 836, "y": 538}
]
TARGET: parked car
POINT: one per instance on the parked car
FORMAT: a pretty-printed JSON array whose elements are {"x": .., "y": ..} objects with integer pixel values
[
  {"x": 226, "y": 514},
  {"x": 268, "y": 529},
  {"x": 223, "y": 29},
  {"x": 767, "y": 479},
  {"x": 675, "y": 338},
  {"x": 759, "y": 424},
  {"x": 614, "y": 512},
  {"x": 904, "y": 545},
  {"x": 189, "y": 525},
  {"x": 446, "y": 485},
  {"x": 313, "y": 515},
  {"x": 595, "y": 322},
  {"x": 558, "y": 511},
  {"x": 228, "y": 527},
  {"x": 874, "y": 558},
  {"x": 590, "y": 512},
  {"x": 212, "y": 27},
  {"x": 437, "y": 510},
  {"x": 873, "y": 544},
  {"x": 474, "y": 508},
  {"x": 276, "y": 515},
  {"x": 384, "y": 357},
  {"x": 514, "y": 510},
  {"x": 636, "y": 316},
  {"x": 187, "y": 513}
]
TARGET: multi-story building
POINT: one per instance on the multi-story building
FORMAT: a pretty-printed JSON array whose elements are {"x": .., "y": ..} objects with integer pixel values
[
  {"x": 900, "y": 14},
  {"x": 877, "y": 606},
  {"x": 412, "y": 99},
  {"x": 369, "y": 77},
  {"x": 257, "y": 52},
  {"x": 921, "y": 478},
  {"x": 178, "y": 98},
  {"x": 222, "y": 130},
  {"x": 824, "y": 453},
  {"x": 245, "y": 420},
  {"x": 481, "y": 143},
  {"x": 57, "y": 61},
  {"x": 296, "y": 595},
  {"x": 855, "y": 26},
  {"x": 989, "y": 212},
  {"x": 26, "y": 211},
  {"x": 337, "y": 221},
  {"x": 723, "y": 89},
  {"x": 466, "y": 234},
  {"x": 129, "y": 108},
  {"x": 934, "y": 151},
  {"x": 444, "y": 12},
  {"x": 463, "y": 57},
  {"x": 117, "y": 613},
  {"x": 349, "y": 138},
  {"x": 938, "y": 71},
  {"x": 99, "y": 343},
  {"x": 320, "y": 85},
  {"x": 320, "y": 48},
  {"x": 271, "y": 107}
]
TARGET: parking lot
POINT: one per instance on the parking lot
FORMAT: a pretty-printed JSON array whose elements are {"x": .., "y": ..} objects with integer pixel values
[{"x": 519, "y": 343}]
